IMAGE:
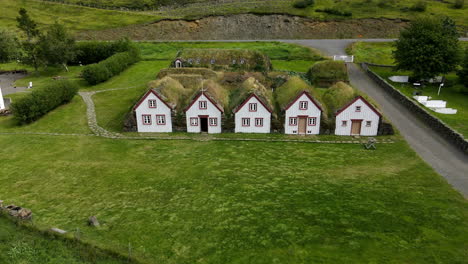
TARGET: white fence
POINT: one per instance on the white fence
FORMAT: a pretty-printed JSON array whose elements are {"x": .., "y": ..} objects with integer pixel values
[{"x": 344, "y": 58}]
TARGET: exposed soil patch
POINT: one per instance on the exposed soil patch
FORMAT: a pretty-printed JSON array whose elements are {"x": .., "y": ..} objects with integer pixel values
[{"x": 250, "y": 26}]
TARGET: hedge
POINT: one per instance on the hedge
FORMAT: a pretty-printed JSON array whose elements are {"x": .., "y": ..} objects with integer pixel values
[
  {"x": 41, "y": 101},
  {"x": 325, "y": 73},
  {"x": 95, "y": 51},
  {"x": 104, "y": 70}
]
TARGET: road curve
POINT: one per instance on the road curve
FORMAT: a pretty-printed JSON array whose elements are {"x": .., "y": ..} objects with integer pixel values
[{"x": 447, "y": 160}]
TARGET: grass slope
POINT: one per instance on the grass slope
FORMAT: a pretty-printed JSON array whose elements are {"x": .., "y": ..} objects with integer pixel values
[{"x": 21, "y": 245}]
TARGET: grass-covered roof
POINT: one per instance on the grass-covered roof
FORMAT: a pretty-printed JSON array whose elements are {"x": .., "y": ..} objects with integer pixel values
[
  {"x": 290, "y": 89},
  {"x": 172, "y": 91},
  {"x": 338, "y": 96},
  {"x": 249, "y": 87}
]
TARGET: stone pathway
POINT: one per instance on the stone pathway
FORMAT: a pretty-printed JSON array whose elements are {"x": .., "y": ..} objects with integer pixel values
[{"x": 100, "y": 131}]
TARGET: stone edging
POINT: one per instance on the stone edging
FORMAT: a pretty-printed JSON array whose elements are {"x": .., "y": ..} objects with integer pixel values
[{"x": 435, "y": 123}]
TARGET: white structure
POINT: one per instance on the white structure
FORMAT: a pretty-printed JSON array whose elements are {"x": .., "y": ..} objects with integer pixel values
[
  {"x": 438, "y": 106},
  {"x": 203, "y": 115},
  {"x": 2, "y": 103},
  {"x": 345, "y": 58},
  {"x": 153, "y": 114},
  {"x": 303, "y": 116},
  {"x": 358, "y": 117},
  {"x": 399, "y": 79},
  {"x": 253, "y": 116}
]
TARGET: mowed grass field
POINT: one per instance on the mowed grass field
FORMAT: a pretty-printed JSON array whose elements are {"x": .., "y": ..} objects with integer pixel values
[
  {"x": 181, "y": 201},
  {"x": 381, "y": 53},
  {"x": 80, "y": 18}
]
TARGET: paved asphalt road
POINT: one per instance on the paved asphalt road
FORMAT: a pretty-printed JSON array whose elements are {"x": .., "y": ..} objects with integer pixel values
[{"x": 447, "y": 160}]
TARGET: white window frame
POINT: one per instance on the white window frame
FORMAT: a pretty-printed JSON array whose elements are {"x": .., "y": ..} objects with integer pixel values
[
  {"x": 344, "y": 123},
  {"x": 146, "y": 119},
  {"x": 213, "y": 121},
  {"x": 293, "y": 121},
  {"x": 303, "y": 105},
  {"x": 358, "y": 108},
  {"x": 245, "y": 121},
  {"x": 194, "y": 121},
  {"x": 160, "y": 120},
  {"x": 312, "y": 121},
  {"x": 203, "y": 105},
  {"x": 368, "y": 123},
  {"x": 150, "y": 103},
  {"x": 252, "y": 107}
]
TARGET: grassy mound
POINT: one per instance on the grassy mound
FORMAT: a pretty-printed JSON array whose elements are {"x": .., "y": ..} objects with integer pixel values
[
  {"x": 291, "y": 88},
  {"x": 173, "y": 91},
  {"x": 249, "y": 86},
  {"x": 328, "y": 72},
  {"x": 227, "y": 59},
  {"x": 337, "y": 96},
  {"x": 206, "y": 73},
  {"x": 217, "y": 92}
]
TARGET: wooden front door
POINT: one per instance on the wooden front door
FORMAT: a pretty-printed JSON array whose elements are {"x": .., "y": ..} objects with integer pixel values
[
  {"x": 204, "y": 124},
  {"x": 356, "y": 127},
  {"x": 302, "y": 125}
]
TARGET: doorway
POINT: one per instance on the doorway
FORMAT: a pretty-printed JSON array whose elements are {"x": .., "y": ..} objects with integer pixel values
[
  {"x": 178, "y": 64},
  {"x": 204, "y": 124},
  {"x": 356, "y": 127},
  {"x": 302, "y": 125}
]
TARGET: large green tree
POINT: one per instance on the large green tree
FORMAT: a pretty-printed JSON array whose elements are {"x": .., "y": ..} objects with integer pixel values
[
  {"x": 428, "y": 47},
  {"x": 31, "y": 50},
  {"x": 57, "y": 46},
  {"x": 9, "y": 46}
]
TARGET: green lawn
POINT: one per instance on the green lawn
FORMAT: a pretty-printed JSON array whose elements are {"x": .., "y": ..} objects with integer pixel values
[{"x": 22, "y": 245}]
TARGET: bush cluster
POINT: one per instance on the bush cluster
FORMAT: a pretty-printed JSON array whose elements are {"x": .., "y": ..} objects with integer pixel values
[
  {"x": 327, "y": 72},
  {"x": 334, "y": 11},
  {"x": 95, "y": 51},
  {"x": 459, "y": 4},
  {"x": 104, "y": 70},
  {"x": 304, "y": 3},
  {"x": 419, "y": 6},
  {"x": 41, "y": 101}
]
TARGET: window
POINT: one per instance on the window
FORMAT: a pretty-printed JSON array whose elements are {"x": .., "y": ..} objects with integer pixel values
[
  {"x": 213, "y": 121},
  {"x": 312, "y": 121},
  {"x": 368, "y": 123},
  {"x": 160, "y": 119},
  {"x": 152, "y": 103},
  {"x": 303, "y": 105},
  {"x": 245, "y": 122},
  {"x": 358, "y": 108},
  {"x": 253, "y": 107},
  {"x": 293, "y": 121},
  {"x": 344, "y": 123},
  {"x": 202, "y": 104},
  {"x": 194, "y": 121},
  {"x": 146, "y": 119},
  {"x": 258, "y": 122}
]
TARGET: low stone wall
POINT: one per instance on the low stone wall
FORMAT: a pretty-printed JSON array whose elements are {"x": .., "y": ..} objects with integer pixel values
[{"x": 435, "y": 123}]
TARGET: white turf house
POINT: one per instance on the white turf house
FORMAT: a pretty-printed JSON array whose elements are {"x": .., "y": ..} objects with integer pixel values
[
  {"x": 204, "y": 114},
  {"x": 357, "y": 118},
  {"x": 153, "y": 113},
  {"x": 253, "y": 116},
  {"x": 302, "y": 115}
]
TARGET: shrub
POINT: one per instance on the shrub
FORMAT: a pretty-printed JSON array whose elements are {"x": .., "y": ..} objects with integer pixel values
[
  {"x": 334, "y": 11},
  {"x": 41, "y": 101},
  {"x": 459, "y": 4},
  {"x": 104, "y": 70},
  {"x": 328, "y": 72},
  {"x": 463, "y": 73},
  {"x": 96, "y": 51},
  {"x": 419, "y": 6},
  {"x": 303, "y": 3}
]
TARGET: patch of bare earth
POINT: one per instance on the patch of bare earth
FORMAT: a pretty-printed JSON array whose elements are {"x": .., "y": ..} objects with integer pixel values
[{"x": 250, "y": 26}]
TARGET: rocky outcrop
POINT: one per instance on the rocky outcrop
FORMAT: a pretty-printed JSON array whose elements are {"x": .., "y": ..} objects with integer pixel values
[{"x": 251, "y": 26}]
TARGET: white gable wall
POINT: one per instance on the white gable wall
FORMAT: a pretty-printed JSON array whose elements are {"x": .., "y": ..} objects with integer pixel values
[
  {"x": 261, "y": 112},
  {"x": 211, "y": 112},
  {"x": 294, "y": 111},
  {"x": 161, "y": 109},
  {"x": 366, "y": 114}
]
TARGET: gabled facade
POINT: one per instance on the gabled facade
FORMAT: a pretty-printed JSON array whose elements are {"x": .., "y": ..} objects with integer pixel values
[
  {"x": 252, "y": 116},
  {"x": 358, "y": 118},
  {"x": 302, "y": 116},
  {"x": 204, "y": 115},
  {"x": 153, "y": 114}
]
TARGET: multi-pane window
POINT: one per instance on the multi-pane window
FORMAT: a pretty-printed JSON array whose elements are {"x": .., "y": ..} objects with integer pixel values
[
  {"x": 368, "y": 123},
  {"x": 293, "y": 121},
  {"x": 194, "y": 121},
  {"x": 312, "y": 121},
  {"x": 358, "y": 108},
  {"x": 152, "y": 103},
  {"x": 160, "y": 119},
  {"x": 246, "y": 122},
  {"x": 146, "y": 119},
  {"x": 303, "y": 105},
  {"x": 253, "y": 107},
  {"x": 213, "y": 121},
  {"x": 259, "y": 122},
  {"x": 344, "y": 123},
  {"x": 202, "y": 104}
]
